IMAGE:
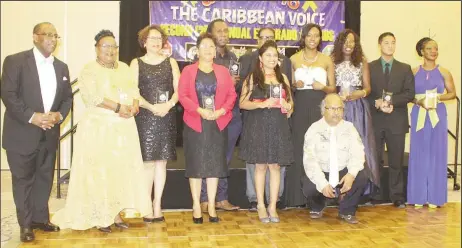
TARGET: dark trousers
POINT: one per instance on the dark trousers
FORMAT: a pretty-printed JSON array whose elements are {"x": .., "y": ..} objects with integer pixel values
[
  {"x": 234, "y": 130},
  {"x": 32, "y": 178},
  {"x": 395, "y": 147},
  {"x": 348, "y": 204}
]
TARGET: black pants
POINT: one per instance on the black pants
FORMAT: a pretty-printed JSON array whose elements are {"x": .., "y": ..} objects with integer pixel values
[
  {"x": 348, "y": 204},
  {"x": 32, "y": 178},
  {"x": 395, "y": 147}
]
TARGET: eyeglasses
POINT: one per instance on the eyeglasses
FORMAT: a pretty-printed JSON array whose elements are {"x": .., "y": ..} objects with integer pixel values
[
  {"x": 153, "y": 38},
  {"x": 334, "y": 109},
  {"x": 51, "y": 35},
  {"x": 267, "y": 37},
  {"x": 106, "y": 46},
  {"x": 207, "y": 47}
]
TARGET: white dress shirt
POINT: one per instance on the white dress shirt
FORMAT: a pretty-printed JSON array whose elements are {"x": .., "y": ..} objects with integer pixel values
[
  {"x": 47, "y": 78},
  {"x": 317, "y": 152}
]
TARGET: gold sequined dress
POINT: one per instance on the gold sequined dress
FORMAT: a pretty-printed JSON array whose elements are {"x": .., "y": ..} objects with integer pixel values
[{"x": 107, "y": 164}]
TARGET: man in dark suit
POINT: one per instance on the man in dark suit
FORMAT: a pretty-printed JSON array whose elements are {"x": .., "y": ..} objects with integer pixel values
[
  {"x": 37, "y": 95},
  {"x": 248, "y": 61},
  {"x": 390, "y": 120}
]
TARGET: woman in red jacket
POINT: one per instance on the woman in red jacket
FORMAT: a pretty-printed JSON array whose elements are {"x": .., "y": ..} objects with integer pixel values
[{"x": 206, "y": 92}]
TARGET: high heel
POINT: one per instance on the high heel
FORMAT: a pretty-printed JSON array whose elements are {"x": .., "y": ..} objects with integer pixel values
[
  {"x": 273, "y": 219},
  {"x": 106, "y": 229},
  {"x": 198, "y": 220},
  {"x": 121, "y": 225},
  {"x": 264, "y": 219},
  {"x": 154, "y": 220},
  {"x": 214, "y": 219}
]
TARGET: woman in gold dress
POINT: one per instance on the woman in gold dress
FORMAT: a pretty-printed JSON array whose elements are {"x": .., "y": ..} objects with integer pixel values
[{"x": 107, "y": 164}]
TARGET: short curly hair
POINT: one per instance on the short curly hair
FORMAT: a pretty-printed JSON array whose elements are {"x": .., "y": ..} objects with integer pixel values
[
  {"x": 103, "y": 33},
  {"x": 143, "y": 34},
  {"x": 421, "y": 44}
]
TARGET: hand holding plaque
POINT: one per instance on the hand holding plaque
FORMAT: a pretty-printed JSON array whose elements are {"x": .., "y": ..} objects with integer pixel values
[
  {"x": 234, "y": 67},
  {"x": 208, "y": 102}
]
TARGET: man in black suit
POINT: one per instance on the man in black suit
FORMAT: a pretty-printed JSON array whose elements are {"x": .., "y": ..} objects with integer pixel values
[
  {"x": 248, "y": 61},
  {"x": 37, "y": 95},
  {"x": 390, "y": 119}
]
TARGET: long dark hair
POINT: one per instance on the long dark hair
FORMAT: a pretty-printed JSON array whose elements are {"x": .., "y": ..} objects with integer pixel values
[
  {"x": 337, "y": 54},
  {"x": 258, "y": 76}
]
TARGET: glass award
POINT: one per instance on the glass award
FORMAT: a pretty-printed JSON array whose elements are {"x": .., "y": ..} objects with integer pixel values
[
  {"x": 208, "y": 102},
  {"x": 431, "y": 98},
  {"x": 162, "y": 96},
  {"x": 387, "y": 98},
  {"x": 234, "y": 68},
  {"x": 344, "y": 91},
  {"x": 275, "y": 91}
]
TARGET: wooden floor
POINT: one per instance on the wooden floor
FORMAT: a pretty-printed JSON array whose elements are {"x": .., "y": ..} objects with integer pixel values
[{"x": 380, "y": 226}]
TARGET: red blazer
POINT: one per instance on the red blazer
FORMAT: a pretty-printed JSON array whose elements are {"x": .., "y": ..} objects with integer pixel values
[{"x": 225, "y": 96}]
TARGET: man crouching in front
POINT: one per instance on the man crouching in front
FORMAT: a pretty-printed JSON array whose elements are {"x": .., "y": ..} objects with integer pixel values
[{"x": 333, "y": 157}]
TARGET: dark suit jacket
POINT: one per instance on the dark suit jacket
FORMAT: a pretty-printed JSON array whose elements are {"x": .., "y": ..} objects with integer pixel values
[
  {"x": 402, "y": 85},
  {"x": 22, "y": 97},
  {"x": 248, "y": 61}
]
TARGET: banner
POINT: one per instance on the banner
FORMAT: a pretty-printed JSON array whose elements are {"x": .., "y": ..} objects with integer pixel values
[{"x": 183, "y": 21}]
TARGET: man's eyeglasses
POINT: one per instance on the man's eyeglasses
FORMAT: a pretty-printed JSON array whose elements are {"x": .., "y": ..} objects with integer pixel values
[
  {"x": 154, "y": 38},
  {"x": 267, "y": 37},
  {"x": 51, "y": 35},
  {"x": 335, "y": 109},
  {"x": 106, "y": 46}
]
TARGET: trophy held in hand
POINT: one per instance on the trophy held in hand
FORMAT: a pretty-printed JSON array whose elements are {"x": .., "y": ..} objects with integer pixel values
[
  {"x": 234, "y": 68},
  {"x": 387, "y": 98},
  {"x": 208, "y": 102},
  {"x": 162, "y": 97}
]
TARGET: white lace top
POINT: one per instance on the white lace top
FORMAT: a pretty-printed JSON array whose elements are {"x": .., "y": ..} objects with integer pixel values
[{"x": 346, "y": 74}]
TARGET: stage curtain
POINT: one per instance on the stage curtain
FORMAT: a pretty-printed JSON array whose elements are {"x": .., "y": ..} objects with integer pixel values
[{"x": 134, "y": 15}]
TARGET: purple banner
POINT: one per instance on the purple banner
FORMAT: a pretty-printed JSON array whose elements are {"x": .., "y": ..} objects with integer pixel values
[{"x": 183, "y": 21}]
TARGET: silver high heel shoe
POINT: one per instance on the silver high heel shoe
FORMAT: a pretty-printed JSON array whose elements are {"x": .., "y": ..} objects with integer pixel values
[
  {"x": 273, "y": 219},
  {"x": 264, "y": 219}
]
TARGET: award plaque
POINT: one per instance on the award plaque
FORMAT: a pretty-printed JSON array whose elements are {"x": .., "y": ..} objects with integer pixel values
[
  {"x": 234, "y": 68},
  {"x": 208, "y": 102},
  {"x": 162, "y": 96},
  {"x": 431, "y": 98},
  {"x": 387, "y": 98},
  {"x": 275, "y": 91},
  {"x": 344, "y": 91}
]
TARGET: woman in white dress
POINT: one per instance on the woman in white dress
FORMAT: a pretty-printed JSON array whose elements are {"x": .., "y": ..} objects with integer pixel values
[{"x": 107, "y": 164}]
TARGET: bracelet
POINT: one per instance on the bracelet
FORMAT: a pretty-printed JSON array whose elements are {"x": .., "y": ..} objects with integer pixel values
[
  {"x": 290, "y": 107},
  {"x": 365, "y": 93},
  {"x": 171, "y": 103},
  {"x": 117, "y": 108}
]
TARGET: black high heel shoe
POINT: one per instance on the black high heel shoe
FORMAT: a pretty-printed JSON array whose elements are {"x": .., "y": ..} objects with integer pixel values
[
  {"x": 105, "y": 229},
  {"x": 154, "y": 220},
  {"x": 198, "y": 220},
  {"x": 214, "y": 219}
]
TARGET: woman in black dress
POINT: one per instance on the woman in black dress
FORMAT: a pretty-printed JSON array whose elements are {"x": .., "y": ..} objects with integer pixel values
[
  {"x": 266, "y": 139},
  {"x": 206, "y": 92},
  {"x": 313, "y": 79},
  {"x": 157, "y": 76}
]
